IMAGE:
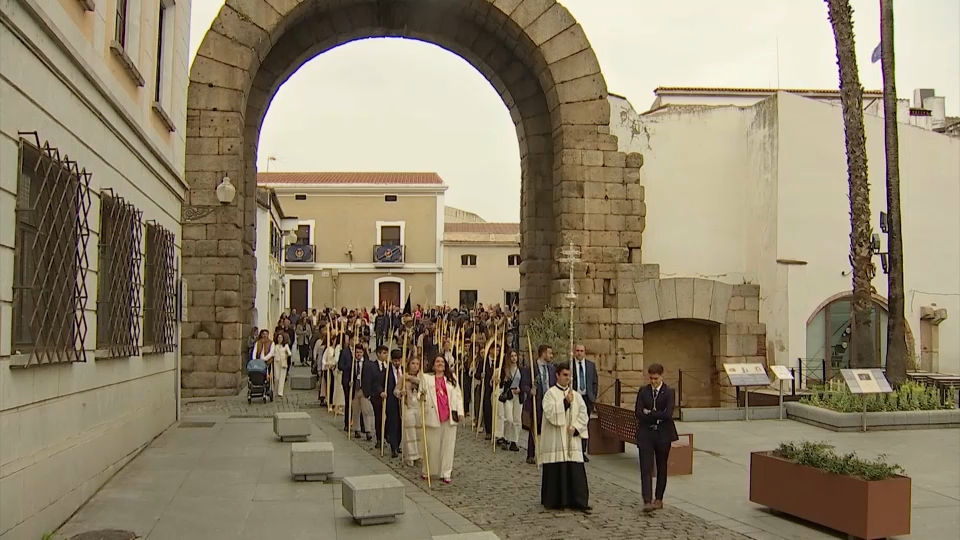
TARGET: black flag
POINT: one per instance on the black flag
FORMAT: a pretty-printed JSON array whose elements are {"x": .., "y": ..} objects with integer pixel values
[{"x": 407, "y": 308}]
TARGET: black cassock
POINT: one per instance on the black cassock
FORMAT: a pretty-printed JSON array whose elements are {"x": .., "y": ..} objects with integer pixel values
[{"x": 564, "y": 484}]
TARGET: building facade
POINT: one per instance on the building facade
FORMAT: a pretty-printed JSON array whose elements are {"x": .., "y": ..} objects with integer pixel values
[
  {"x": 363, "y": 239},
  {"x": 481, "y": 263},
  {"x": 274, "y": 232},
  {"x": 92, "y": 143},
  {"x": 751, "y": 192}
]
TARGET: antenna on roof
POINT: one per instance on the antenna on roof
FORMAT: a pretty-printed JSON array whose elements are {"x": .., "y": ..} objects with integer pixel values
[{"x": 778, "y": 62}]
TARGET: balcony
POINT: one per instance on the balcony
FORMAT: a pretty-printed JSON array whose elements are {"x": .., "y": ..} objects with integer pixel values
[
  {"x": 300, "y": 253},
  {"x": 388, "y": 255}
]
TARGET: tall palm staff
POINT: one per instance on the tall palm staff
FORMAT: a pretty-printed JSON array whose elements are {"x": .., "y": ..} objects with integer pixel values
[
  {"x": 494, "y": 381},
  {"x": 533, "y": 401},
  {"x": 423, "y": 429},
  {"x": 483, "y": 384}
]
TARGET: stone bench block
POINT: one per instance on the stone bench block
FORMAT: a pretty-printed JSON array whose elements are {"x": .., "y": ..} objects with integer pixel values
[
  {"x": 374, "y": 499},
  {"x": 311, "y": 461},
  {"x": 292, "y": 426},
  {"x": 303, "y": 381}
]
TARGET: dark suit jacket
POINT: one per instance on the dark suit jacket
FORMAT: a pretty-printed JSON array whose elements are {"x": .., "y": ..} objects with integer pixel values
[
  {"x": 484, "y": 371},
  {"x": 526, "y": 388},
  {"x": 660, "y": 415},
  {"x": 346, "y": 365},
  {"x": 372, "y": 379},
  {"x": 593, "y": 382}
]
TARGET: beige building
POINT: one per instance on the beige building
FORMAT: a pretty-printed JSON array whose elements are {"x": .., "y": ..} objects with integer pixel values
[
  {"x": 92, "y": 113},
  {"x": 364, "y": 239},
  {"x": 481, "y": 261}
]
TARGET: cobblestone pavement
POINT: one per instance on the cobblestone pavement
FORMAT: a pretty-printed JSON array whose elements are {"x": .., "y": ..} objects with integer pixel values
[{"x": 499, "y": 492}]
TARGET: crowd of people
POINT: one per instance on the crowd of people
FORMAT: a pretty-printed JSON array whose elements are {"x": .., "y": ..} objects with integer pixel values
[{"x": 407, "y": 379}]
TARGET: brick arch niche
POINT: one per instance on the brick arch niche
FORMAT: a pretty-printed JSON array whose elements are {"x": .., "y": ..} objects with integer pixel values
[{"x": 575, "y": 186}]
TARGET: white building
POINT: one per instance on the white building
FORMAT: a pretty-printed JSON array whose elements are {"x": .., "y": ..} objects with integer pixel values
[
  {"x": 92, "y": 135},
  {"x": 751, "y": 187},
  {"x": 273, "y": 235}
]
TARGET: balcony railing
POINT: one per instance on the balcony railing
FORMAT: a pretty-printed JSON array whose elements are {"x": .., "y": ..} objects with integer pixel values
[
  {"x": 298, "y": 253},
  {"x": 388, "y": 255}
]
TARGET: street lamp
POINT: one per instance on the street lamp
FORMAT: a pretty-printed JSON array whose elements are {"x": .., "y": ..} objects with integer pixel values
[{"x": 226, "y": 192}]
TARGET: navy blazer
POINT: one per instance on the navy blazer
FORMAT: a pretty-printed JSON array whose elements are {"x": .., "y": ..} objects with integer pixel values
[
  {"x": 592, "y": 380},
  {"x": 527, "y": 385},
  {"x": 660, "y": 415}
]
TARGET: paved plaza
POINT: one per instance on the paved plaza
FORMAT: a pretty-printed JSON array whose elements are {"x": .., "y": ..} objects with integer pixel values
[{"x": 222, "y": 474}]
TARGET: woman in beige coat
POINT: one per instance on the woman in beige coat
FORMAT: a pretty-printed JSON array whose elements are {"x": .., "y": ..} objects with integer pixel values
[{"x": 443, "y": 409}]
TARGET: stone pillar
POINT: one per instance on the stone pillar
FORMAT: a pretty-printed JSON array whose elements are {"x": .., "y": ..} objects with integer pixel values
[
  {"x": 930, "y": 319},
  {"x": 743, "y": 339},
  {"x": 213, "y": 249}
]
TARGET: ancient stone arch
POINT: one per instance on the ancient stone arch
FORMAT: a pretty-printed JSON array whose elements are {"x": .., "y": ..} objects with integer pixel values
[{"x": 576, "y": 186}]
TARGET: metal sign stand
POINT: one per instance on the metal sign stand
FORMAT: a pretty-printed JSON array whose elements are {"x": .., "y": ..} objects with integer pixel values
[
  {"x": 863, "y": 382},
  {"x": 782, "y": 373},
  {"x": 747, "y": 376}
]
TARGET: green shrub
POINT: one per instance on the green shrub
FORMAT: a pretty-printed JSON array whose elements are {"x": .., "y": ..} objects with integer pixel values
[
  {"x": 820, "y": 455},
  {"x": 910, "y": 396},
  {"x": 551, "y": 328}
]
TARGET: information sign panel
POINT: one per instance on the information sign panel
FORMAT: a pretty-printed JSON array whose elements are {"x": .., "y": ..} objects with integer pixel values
[
  {"x": 747, "y": 374},
  {"x": 782, "y": 373},
  {"x": 866, "y": 381}
]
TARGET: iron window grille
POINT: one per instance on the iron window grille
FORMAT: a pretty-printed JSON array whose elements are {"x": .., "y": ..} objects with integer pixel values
[
  {"x": 276, "y": 243},
  {"x": 119, "y": 281},
  {"x": 50, "y": 255},
  {"x": 160, "y": 290}
]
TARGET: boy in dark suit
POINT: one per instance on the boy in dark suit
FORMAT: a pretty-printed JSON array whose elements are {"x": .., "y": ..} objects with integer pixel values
[{"x": 655, "y": 432}]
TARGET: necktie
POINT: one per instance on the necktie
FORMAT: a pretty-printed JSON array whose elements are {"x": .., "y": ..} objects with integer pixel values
[
  {"x": 656, "y": 391},
  {"x": 580, "y": 379}
]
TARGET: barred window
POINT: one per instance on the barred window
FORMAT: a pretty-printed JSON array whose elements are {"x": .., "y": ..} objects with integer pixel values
[
  {"x": 118, "y": 279},
  {"x": 276, "y": 243},
  {"x": 50, "y": 255},
  {"x": 159, "y": 294}
]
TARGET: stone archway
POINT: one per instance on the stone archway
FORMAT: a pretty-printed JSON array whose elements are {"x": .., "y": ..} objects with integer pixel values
[{"x": 576, "y": 187}]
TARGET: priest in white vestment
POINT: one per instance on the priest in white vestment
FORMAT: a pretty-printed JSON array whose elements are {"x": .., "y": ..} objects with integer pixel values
[{"x": 564, "y": 481}]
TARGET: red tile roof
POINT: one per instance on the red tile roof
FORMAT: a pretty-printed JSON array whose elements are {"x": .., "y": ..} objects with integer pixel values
[
  {"x": 371, "y": 178},
  {"x": 723, "y": 90},
  {"x": 482, "y": 228}
]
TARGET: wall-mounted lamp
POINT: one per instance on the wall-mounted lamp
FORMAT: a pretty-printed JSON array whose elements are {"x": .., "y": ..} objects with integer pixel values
[
  {"x": 291, "y": 237},
  {"x": 349, "y": 252},
  {"x": 225, "y": 191},
  {"x": 884, "y": 223}
]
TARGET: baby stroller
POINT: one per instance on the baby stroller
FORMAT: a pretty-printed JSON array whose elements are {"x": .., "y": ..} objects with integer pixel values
[{"x": 258, "y": 381}]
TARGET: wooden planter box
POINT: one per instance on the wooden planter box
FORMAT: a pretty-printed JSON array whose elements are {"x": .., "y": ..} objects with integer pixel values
[
  {"x": 680, "y": 462},
  {"x": 868, "y": 510}
]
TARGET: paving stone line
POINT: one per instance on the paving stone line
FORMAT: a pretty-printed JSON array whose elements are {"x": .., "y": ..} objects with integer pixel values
[{"x": 499, "y": 492}]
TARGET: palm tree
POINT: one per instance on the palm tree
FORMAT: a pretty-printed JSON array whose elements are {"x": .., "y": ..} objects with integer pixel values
[
  {"x": 896, "y": 361},
  {"x": 861, "y": 254}
]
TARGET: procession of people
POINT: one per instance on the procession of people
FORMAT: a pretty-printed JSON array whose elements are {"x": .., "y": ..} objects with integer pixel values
[{"x": 406, "y": 380}]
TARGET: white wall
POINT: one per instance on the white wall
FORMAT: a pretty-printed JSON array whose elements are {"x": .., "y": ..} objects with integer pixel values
[
  {"x": 270, "y": 297},
  {"x": 66, "y": 429},
  {"x": 813, "y": 199},
  {"x": 730, "y": 190}
]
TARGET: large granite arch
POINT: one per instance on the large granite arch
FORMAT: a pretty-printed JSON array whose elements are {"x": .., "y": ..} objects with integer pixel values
[{"x": 576, "y": 187}]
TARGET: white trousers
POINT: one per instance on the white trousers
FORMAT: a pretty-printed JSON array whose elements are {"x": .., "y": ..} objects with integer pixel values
[
  {"x": 498, "y": 419},
  {"x": 441, "y": 444},
  {"x": 361, "y": 406},
  {"x": 512, "y": 410},
  {"x": 279, "y": 378}
]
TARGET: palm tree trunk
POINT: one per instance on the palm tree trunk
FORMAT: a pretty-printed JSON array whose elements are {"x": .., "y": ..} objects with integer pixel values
[
  {"x": 861, "y": 255},
  {"x": 896, "y": 361}
]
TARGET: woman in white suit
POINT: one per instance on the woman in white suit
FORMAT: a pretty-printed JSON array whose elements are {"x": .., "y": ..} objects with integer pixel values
[
  {"x": 281, "y": 361},
  {"x": 443, "y": 408}
]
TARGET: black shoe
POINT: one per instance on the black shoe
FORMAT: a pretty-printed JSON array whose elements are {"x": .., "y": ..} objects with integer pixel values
[
  {"x": 393, "y": 454},
  {"x": 586, "y": 510},
  {"x": 531, "y": 461},
  {"x": 487, "y": 437},
  {"x": 369, "y": 437},
  {"x": 586, "y": 459},
  {"x": 376, "y": 446},
  {"x": 514, "y": 447},
  {"x": 346, "y": 428}
]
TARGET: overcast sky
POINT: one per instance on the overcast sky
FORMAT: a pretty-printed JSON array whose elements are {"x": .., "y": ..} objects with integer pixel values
[{"x": 399, "y": 105}]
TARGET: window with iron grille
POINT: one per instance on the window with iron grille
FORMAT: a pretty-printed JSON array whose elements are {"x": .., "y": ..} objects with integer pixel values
[
  {"x": 513, "y": 260},
  {"x": 160, "y": 292},
  {"x": 50, "y": 255},
  {"x": 118, "y": 278},
  {"x": 276, "y": 243}
]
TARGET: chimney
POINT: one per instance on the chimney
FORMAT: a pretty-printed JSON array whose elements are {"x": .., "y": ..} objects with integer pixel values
[
  {"x": 921, "y": 94},
  {"x": 938, "y": 111}
]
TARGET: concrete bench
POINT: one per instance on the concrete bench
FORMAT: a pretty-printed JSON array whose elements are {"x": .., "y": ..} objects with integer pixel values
[
  {"x": 303, "y": 381},
  {"x": 374, "y": 499},
  {"x": 311, "y": 461},
  {"x": 469, "y": 536},
  {"x": 292, "y": 426}
]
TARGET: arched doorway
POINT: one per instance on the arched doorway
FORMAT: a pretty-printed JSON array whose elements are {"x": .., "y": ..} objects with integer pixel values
[
  {"x": 535, "y": 56},
  {"x": 830, "y": 336}
]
